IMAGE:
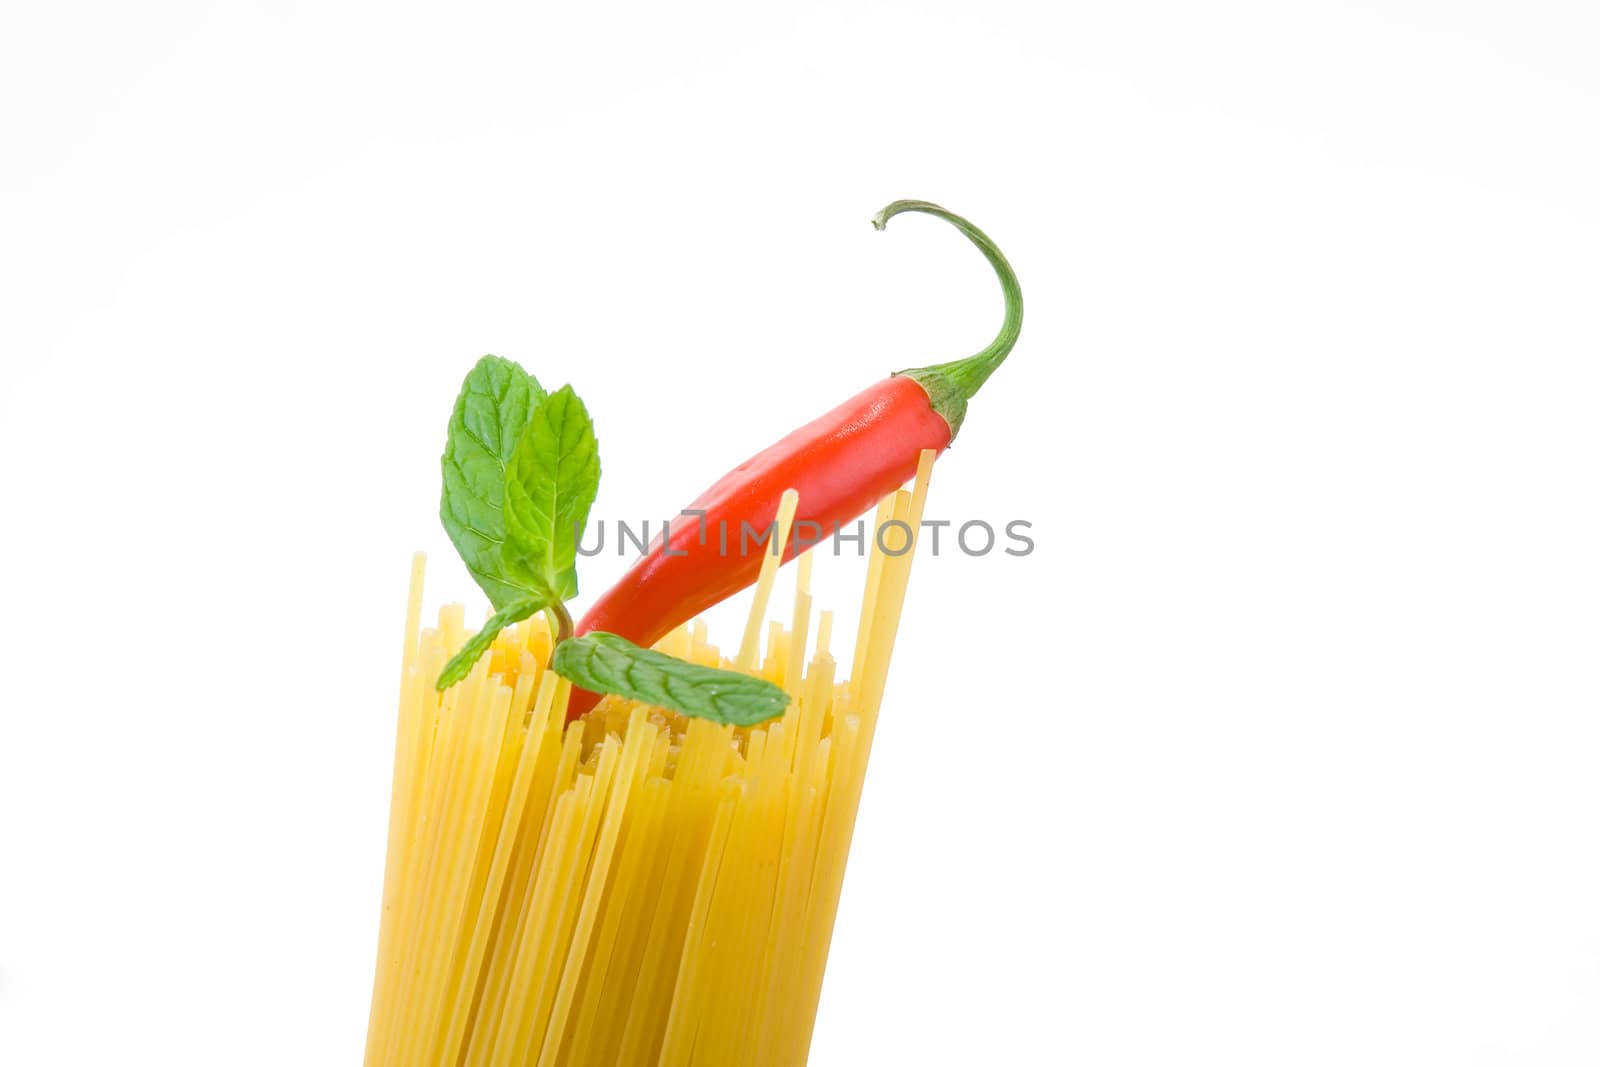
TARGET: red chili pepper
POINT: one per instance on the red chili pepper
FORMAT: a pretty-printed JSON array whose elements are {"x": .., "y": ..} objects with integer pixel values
[{"x": 841, "y": 464}]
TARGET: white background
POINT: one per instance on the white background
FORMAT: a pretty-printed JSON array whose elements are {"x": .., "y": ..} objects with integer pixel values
[{"x": 1280, "y": 749}]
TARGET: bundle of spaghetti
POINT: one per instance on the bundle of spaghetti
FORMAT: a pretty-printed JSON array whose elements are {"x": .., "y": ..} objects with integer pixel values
[{"x": 633, "y": 887}]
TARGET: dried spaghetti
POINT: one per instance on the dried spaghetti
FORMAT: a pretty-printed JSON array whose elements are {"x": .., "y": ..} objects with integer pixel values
[{"x": 634, "y": 887}]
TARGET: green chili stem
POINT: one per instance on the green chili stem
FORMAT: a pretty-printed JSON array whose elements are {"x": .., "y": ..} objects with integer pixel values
[{"x": 951, "y": 385}]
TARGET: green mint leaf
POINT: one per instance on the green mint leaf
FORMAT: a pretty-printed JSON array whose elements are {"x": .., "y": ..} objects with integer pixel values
[
  {"x": 550, "y": 486},
  {"x": 606, "y": 663},
  {"x": 460, "y": 664},
  {"x": 490, "y": 415}
]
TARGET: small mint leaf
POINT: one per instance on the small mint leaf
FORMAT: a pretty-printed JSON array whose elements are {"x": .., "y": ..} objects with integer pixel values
[
  {"x": 460, "y": 664},
  {"x": 606, "y": 663},
  {"x": 488, "y": 421},
  {"x": 549, "y": 487}
]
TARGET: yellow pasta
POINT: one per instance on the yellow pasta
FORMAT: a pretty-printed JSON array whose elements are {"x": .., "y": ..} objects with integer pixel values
[{"x": 635, "y": 887}]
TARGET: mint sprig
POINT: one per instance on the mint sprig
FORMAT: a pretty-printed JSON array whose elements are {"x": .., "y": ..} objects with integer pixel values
[
  {"x": 607, "y": 663},
  {"x": 497, "y": 398},
  {"x": 550, "y": 486},
  {"x": 521, "y": 470},
  {"x": 460, "y": 664}
]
